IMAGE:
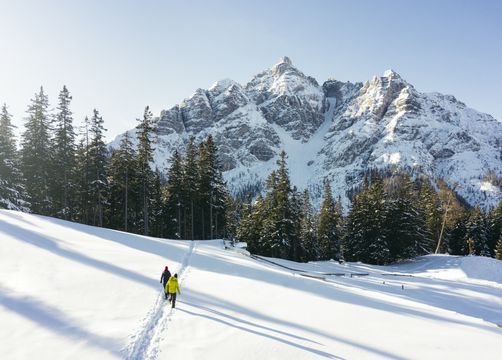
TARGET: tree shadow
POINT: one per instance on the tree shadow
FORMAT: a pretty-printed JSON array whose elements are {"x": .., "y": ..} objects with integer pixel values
[
  {"x": 327, "y": 290},
  {"x": 200, "y": 299},
  {"x": 50, "y": 244},
  {"x": 142, "y": 243},
  {"x": 268, "y": 336},
  {"x": 16, "y": 216},
  {"x": 196, "y": 299},
  {"x": 54, "y": 320},
  {"x": 440, "y": 294}
]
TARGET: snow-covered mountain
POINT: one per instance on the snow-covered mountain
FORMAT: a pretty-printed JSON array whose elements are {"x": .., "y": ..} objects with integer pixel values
[
  {"x": 71, "y": 291},
  {"x": 338, "y": 130}
]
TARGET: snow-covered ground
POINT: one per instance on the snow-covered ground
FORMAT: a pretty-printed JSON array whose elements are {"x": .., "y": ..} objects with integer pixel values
[{"x": 69, "y": 291}]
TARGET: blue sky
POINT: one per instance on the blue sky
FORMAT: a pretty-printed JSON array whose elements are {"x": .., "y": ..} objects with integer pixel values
[{"x": 120, "y": 55}]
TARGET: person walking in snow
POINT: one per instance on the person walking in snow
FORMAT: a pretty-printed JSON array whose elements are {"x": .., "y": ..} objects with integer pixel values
[
  {"x": 164, "y": 279},
  {"x": 171, "y": 287}
]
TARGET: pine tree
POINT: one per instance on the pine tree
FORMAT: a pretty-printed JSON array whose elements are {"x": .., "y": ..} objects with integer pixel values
[
  {"x": 123, "y": 184},
  {"x": 36, "y": 155},
  {"x": 455, "y": 238},
  {"x": 211, "y": 191},
  {"x": 407, "y": 234},
  {"x": 145, "y": 173},
  {"x": 64, "y": 149},
  {"x": 250, "y": 229},
  {"x": 476, "y": 233},
  {"x": 156, "y": 206},
  {"x": 98, "y": 163},
  {"x": 495, "y": 227},
  {"x": 498, "y": 249},
  {"x": 190, "y": 175},
  {"x": 308, "y": 230},
  {"x": 283, "y": 237},
  {"x": 366, "y": 237},
  {"x": 12, "y": 192},
  {"x": 234, "y": 215},
  {"x": 83, "y": 178},
  {"x": 328, "y": 235},
  {"x": 173, "y": 198},
  {"x": 430, "y": 205}
]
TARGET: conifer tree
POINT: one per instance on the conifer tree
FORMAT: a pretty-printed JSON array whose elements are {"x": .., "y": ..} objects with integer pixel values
[
  {"x": 156, "y": 206},
  {"x": 430, "y": 205},
  {"x": 64, "y": 149},
  {"x": 279, "y": 229},
  {"x": 476, "y": 233},
  {"x": 366, "y": 237},
  {"x": 455, "y": 239},
  {"x": 495, "y": 227},
  {"x": 211, "y": 191},
  {"x": 145, "y": 173},
  {"x": 498, "y": 249},
  {"x": 234, "y": 215},
  {"x": 36, "y": 155},
  {"x": 123, "y": 184},
  {"x": 173, "y": 199},
  {"x": 250, "y": 229},
  {"x": 98, "y": 163},
  {"x": 12, "y": 192},
  {"x": 328, "y": 235},
  {"x": 308, "y": 230},
  {"x": 190, "y": 175},
  {"x": 407, "y": 235},
  {"x": 83, "y": 178}
]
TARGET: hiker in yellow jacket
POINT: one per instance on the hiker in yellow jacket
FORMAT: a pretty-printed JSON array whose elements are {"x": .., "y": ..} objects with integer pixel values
[{"x": 171, "y": 287}]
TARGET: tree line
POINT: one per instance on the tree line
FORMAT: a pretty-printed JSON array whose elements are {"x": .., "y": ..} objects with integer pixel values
[
  {"x": 391, "y": 218},
  {"x": 76, "y": 177}
]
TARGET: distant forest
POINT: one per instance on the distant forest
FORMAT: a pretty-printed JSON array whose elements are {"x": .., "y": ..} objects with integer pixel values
[{"x": 60, "y": 172}]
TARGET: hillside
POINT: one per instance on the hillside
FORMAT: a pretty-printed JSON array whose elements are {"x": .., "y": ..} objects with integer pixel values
[{"x": 70, "y": 291}]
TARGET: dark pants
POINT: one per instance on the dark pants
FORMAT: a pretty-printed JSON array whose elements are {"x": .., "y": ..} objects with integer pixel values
[
  {"x": 165, "y": 292},
  {"x": 172, "y": 299}
]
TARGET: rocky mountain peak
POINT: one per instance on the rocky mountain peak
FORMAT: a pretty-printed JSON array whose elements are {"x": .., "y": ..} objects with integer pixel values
[
  {"x": 338, "y": 131},
  {"x": 285, "y": 60},
  {"x": 222, "y": 85},
  {"x": 391, "y": 74}
]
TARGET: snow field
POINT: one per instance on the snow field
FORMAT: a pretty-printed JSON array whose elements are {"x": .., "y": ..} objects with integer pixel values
[{"x": 70, "y": 291}]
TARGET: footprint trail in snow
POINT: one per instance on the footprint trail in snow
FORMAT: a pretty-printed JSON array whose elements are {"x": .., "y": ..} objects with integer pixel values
[{"x": 145, "y": 343}]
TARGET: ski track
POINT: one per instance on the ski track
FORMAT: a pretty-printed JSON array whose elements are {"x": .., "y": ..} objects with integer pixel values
[{"x": 145, "y": 343}]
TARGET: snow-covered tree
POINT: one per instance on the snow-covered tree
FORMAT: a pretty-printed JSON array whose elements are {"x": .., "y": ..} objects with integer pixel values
[
  {"x": 211, "y": 191},
  {"x": 190, "y": 175},
  {"x": 498, "y": 249},
  {"x": 366, "y": 237},
  {"x": 98, "y": 163},
  {"x": 327, "y": 232},
  {"x": 64, "y": 150},
  {"x": 308, "y": 229},
  {"x": 36, "y": 154},
  {"x": 145, "y": 173},
  {"x": 173, "y": 198},
  {"x": 123, "y": 184},
  {"x": 476, "y": 233},
  {"x": 12, "y": 191},
  {"x": 407, "y": 234}
]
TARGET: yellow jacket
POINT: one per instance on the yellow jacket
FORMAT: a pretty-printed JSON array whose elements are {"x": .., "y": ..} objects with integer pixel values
[{"x": 172, "y": 285}]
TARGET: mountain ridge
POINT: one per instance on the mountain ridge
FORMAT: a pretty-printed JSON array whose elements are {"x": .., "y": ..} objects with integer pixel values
[{"x": 337, "y": 130}]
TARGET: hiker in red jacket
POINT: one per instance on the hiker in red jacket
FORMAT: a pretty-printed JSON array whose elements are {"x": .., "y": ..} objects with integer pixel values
[{"x": 164, "y": 279}]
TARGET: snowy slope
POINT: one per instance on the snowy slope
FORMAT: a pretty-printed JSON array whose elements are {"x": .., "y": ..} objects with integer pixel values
[
  {"x": 338, "y": 130},
  {"x": 71, "y": 291}
]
